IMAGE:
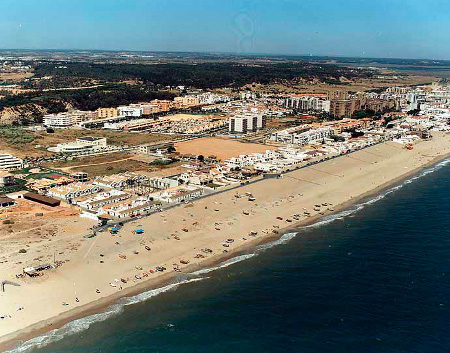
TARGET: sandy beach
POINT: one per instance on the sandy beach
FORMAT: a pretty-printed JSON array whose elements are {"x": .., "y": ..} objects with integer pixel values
[{"x": 191, "y": 236}]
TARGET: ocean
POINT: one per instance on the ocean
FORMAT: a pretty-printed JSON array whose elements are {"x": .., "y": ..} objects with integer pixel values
[{"x": 374, "y": 278}]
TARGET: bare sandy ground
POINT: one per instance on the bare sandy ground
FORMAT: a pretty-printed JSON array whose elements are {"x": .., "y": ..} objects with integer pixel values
[
  {"x": 221, "y": 148},
  {"x": 95, "y": 263}
]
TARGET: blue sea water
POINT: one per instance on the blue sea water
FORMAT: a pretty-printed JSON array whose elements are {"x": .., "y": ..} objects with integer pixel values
[{"x": 375, "y": 278}]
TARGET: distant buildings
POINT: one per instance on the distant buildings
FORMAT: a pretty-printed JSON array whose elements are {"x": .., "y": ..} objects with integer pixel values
[
  {"x": 103, "y": 113},
  {"x": 64, "y": 120},
  {"x": 342, "y": 107},
  {"x": 131, "y": 111},
  {"x": 185, "y": 102},
  {"x": 308, "y": 103}
]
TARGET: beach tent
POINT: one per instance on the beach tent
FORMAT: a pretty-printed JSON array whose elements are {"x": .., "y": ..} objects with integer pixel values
[{"x": 139, "y": 231}]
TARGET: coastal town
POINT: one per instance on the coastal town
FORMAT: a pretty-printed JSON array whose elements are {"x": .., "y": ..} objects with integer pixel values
[{"x": 100, "y": 202}]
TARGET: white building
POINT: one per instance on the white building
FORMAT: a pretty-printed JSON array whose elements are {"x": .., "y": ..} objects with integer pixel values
[
  {"x": 82, "y": 145},
  {"x": 308, "y": 104},
  {"x": 101, "y": 199},
  {"x": 60, "y": 120},
  {"x": 9, "y": 162},
  {"x": 162, "y": 183},
  {"x": 246, "y": 123},
  {"x": 179, "y": 194},
  {"x": 128, "y": 208},
  {"x": 73, "y": 191},
  {"x": 64, "y": 120},
  {"x": 120, "y": 181},
  {"x": 130, "y": 111},
  {"x": 301, "y": 135}
]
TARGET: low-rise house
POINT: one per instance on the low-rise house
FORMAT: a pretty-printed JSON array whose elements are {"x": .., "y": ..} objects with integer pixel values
[
  {"x": 43, "y": 185},
  {"x": 6, "y": 201},
  {"x": 162, "y": 183},
  {"x": 180, "y": 194},
  {"x": 197, "y": 178},
  {"x": 101, "y": 199},
  {"x": 119, "y": 181},
  {"x": 72, "y": 191},
  {"x": 6, "y": 179},
  {"x": 128, "y": 208}
]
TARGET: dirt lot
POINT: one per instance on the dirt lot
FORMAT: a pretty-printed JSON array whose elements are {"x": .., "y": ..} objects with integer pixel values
[
  {"x": 221, "y": 148},
  {"x": 111, "y": 164},
  {"x": 19, "y": 223},
  {"x": 122, "y": 166},
  {"x": 101, "y": 165}
]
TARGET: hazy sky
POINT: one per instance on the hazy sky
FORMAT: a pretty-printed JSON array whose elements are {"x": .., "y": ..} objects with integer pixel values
[{"x": 373, "y": 28}]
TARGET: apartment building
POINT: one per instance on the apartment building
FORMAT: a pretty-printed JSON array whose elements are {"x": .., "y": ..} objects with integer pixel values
[
  {"x": 243, "y": 124},
  {"x": 343, "y": 107},
  {"x": 186, "y": 101},
  {"x": 103, "y": 113},
  {"x": 72, "y": 191},
  {"x": 149, "y": 108},
  {"x": 128, "y": 208},
  {"x": 131, "y": 111},
  {"x": 163, "y": 105},
  {"x": 63, "y": 120},
  {"x": 9, "y": 162},
  {"x": 301, "y": 135},
  {"x": 307, "y": 103}
]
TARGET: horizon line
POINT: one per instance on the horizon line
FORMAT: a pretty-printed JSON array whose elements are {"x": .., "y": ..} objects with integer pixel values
[{"x": 219, "y": 53}]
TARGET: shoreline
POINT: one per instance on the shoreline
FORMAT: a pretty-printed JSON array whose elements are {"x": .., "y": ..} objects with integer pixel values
[{"x": 12, "y": 340}]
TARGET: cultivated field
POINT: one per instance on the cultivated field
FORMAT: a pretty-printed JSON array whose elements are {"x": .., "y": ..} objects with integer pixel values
[{"x": 221, "y": 148}]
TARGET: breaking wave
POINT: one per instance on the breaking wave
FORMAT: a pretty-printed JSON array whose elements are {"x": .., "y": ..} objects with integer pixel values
[{"x": 84, "y": 323}]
